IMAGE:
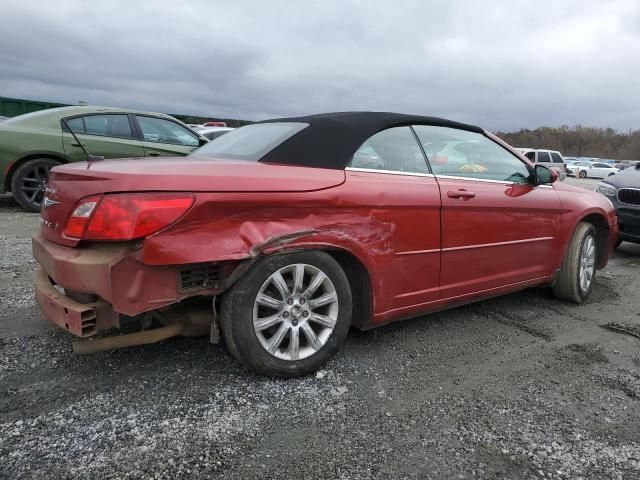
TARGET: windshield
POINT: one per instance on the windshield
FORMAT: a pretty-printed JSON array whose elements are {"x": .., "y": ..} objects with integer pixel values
[{"x": 251, "y": 142}]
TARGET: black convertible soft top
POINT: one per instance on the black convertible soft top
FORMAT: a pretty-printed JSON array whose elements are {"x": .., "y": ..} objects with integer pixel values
[{"x": 331, "y": 139}]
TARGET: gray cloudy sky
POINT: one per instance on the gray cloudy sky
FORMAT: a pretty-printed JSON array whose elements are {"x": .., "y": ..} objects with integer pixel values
[{"x": 501, "y": 64}]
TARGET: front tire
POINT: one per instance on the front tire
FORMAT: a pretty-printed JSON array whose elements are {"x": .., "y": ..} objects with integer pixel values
[
  {"x": 582, "y": 174},
  {"x": 29, "y": 181},
  {"x": 288, "y": 315},
  {"x": 575, "y": 279}
]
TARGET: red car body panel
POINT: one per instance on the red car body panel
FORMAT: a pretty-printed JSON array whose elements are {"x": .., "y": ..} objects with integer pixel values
[
  {"x": 423, "y": 248},
  {"x": 78, "y": 180}
]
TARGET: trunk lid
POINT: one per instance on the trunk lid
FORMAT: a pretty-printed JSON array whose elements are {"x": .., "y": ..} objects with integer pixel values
[{"x": 69, "y": 183}]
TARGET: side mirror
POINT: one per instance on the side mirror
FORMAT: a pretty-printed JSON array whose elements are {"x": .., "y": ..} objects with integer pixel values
[{"x": 544, "y": 175}]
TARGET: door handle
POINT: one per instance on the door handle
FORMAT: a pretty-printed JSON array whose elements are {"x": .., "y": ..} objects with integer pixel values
[
  {"x": 462, "y": 193},
  {"x": 77, "y": 144},
  {"x": 153, "y": 154}
]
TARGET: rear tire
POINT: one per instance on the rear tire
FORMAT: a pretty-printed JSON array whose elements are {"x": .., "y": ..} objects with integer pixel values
[
  {"x": 275, "y": 324},
  {"x": 29, "y": 181},
  {"x": 575, "y": 279},
  {"x": 582, "y": 174}
]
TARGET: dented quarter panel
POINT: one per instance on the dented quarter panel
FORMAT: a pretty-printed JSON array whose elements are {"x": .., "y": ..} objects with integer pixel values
[{"x": 390, "y": 223}]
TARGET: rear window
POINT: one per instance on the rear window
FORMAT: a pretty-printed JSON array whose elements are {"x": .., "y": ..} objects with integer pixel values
[
  {"x": 556, "y": 158},
  {"x": 111, "y": 125},
  {"x": 543, "y": 157},
  {"x": 251, "y": 142}
]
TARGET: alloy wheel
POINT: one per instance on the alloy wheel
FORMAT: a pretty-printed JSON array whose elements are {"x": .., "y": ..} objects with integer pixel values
[
  {"x": 295, "y": 311},
  {"x": 587, "y": 262},
  {"x": 34, "y": 183}
]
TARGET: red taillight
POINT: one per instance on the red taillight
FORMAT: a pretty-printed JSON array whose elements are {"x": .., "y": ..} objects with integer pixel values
[
  {"x": 126, "y": 216},
  {"x": 79, "y": 218}
]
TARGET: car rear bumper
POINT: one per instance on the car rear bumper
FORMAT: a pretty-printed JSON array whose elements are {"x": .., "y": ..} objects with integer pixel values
[
  {"x": 111, "y": 281},
  {"x": 80, "y": 319}
]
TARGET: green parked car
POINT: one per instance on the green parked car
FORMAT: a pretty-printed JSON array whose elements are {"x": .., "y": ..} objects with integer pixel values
[{"x": 32, "y": 144}]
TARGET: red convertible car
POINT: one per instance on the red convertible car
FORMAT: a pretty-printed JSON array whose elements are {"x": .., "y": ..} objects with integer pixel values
[{"x": 283, "y": 234}]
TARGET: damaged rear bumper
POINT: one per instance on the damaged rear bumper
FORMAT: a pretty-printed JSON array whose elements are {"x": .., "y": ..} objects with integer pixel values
[
  {"x": 99, "y": 282},
  {"x": 80, "y": 319}
]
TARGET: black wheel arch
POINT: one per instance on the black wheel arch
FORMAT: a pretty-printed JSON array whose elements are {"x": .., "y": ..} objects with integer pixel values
[
  {"x": 22, "y": 160},
  {"x": 361, "y": 290},
  {"x": 356, "y": 272},
  {"x": 602, "y": 236}
]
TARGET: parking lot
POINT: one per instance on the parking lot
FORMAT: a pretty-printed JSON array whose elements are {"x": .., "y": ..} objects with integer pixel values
[{"x": 522, "y": 386}]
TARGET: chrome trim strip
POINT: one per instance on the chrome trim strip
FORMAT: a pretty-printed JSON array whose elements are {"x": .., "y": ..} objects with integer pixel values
[
  {"x": 502, "y": 182},
  {"x": 431, "y": 175},
  {"x": 389, "y": 172},
  {"x": 419, "y": 252},
  {"x": 498, "y": 244},
  {"x": 473, "y": 179}
]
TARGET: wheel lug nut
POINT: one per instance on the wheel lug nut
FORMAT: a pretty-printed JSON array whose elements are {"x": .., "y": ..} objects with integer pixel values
[
  {"x": 285, "y": 314},
  {"x": 305, "y": 314},
  {"x": 302, "y": 300},
  {"x": 294, "y": 323},
  {"x": 290, "y": 301}
]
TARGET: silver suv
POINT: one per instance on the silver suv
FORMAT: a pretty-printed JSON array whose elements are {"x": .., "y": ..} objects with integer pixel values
[{"x": 549, "y": 158}]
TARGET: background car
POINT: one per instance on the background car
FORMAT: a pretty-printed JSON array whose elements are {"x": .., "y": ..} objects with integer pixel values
[
  {"x": 294, "y": 239},
  {"x": 214, "y": 132},
  {"x": 623, "y": 190},
  {"x": 592, "y": 169},
  {"x": 2, "y": 118},
  {"x": 32, "y": 144},
  {"x": 622, "y": 164},
  {"x": 549, "y": 158},
  {"x": 572, "y": 167}
]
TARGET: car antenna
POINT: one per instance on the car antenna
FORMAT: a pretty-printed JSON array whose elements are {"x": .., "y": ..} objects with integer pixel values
[{"x": 90, "y": 157}]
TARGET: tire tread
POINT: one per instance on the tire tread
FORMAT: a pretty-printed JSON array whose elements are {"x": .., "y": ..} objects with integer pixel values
[{"x": 566, "y": 284}]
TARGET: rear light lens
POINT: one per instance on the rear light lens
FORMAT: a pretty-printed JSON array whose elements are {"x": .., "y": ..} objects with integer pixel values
[
  {"x": 79, "y": 219},
  {"x": 126, "y": 216}
]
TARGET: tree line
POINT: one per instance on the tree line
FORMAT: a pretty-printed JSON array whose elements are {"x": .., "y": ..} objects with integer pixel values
[{"x": 579, "y": 141}]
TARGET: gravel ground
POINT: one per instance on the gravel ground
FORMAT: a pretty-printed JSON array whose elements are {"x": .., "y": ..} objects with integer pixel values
[{"x": 523, "y": 386}]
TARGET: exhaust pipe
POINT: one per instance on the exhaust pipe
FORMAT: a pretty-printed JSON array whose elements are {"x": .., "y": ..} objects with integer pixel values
[{"x": 130, "y": 339}]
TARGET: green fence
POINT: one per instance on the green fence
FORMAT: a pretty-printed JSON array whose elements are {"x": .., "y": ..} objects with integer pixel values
[{"x": 10, "y": 107}]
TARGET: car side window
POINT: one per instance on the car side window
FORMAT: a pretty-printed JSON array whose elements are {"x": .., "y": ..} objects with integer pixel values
[
  {"x": 544, "y": 157},
  {"x": 394, "y": 150},
  {"x": 556, "y": 158},
  {"x": 76, "y": 124},
  {"x": 110, "y": 125},
  {"x": 460, "y": 153},
  {"x": 531, "y": 156},
  {"x": 165, "y": 131}
]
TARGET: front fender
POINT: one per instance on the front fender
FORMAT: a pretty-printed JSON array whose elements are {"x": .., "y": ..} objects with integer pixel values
[{"x": 580, "y": 205}]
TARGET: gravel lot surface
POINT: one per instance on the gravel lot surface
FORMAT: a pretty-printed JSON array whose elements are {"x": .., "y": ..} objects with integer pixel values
[{"x": 523, "y": 386}]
